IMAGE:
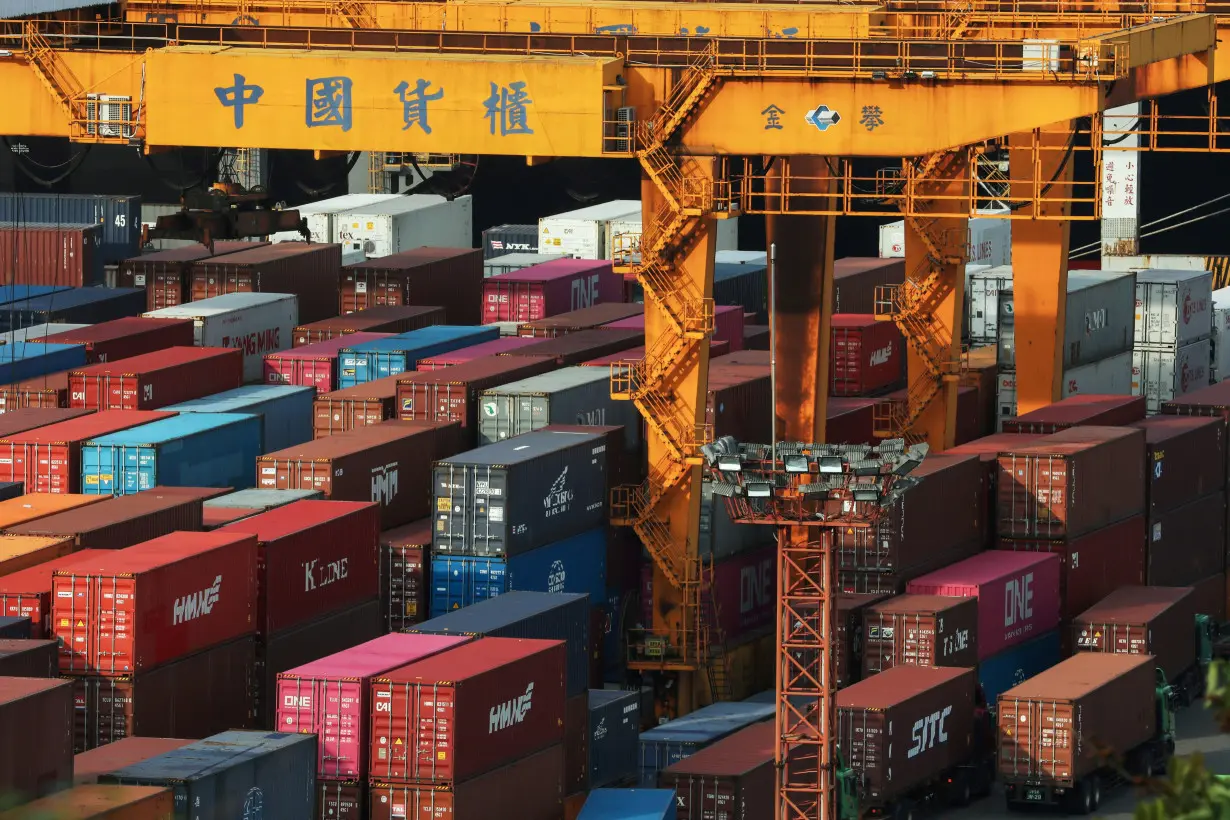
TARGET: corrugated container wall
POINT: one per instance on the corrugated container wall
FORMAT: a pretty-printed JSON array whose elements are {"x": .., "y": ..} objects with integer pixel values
[
  {"x": 52, "y": 254},
  {"x": 164, "y": 275},
  {"x": 118, "y": 217},
  {"x": 310, "y": 272},
  {"x": 452, "y": 394},
  {"x": 124, "y": 338},
  {"x": 313, "y": 365},
  {"x": 1185, "y": 460},
  {"x": 450, "y": 277},
  {"x": 369, "y": 361},
  {"x": 36, "y": 736},
  {"x": 1109, "y": 376},
  {"x": 999, "y": 673},
  {"x": 121, "y": 522},
  {"x": 1157, "y": 621},
  {"x": 1173, "y": 307},
  {"x": 549, "y": 289},
  {"x": 505, "y": 239},
  {"x": 404, "y": 553},
  {"x": 154, "y": 380},
  {"x": 21, "y": 361},
  {"x": 285, "y": 411},
  {"x": 734, "y": 778},
  {"x": 407, "y": 222},
  {"x": 920, "y": 630},
  {"x": 1161, "y": 375},
  {"x": 570, "y": 395},
  {"x": 614, "y": 732},
  {"x": 77, "y": 305},
  {"x": 667, "y": 744},
  {"x": 383, "y": 319}
]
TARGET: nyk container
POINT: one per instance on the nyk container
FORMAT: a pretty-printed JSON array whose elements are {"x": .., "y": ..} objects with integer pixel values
[
  {"x": 614, "y": 736},
  {"x": 93, "y": 802},
  {"x": 83, "y": 305},
  {"x": 496, "y": 347},
  {"x": 18, "y": 552},
  {"x": 999, "y": 673},
  {"x": 867, "y": 356},
  {"x": 1173, "y": 307},
  {"x": 1017, "y": 592},
  {"x": 154, "y": 380},
  {"x": 1138, "y": 620},
  {"x": 453, "y": 394},
  {"x": 125, "y": 338},
  {"x": 131, "y": 610},
  {"x": 120, "y": 522},
  {"x": 118, "y": 217},
  {"x": 40, "y": 253},
  {"x": 404, "y": 554},
  {"x": 313, "y": 365},
  {"x": 549, "y": 289},
  {"x": 1185, "y": 460},
  {"x": 20, "y": 361},
  {"x": 48, "y": 459},
  {"x": 586, "y": 318},
  {"x": 390, "y": 226},
  {"x": 214, "y": 449},
  {"x": 619, "y": 804},
  {"x": 368, "y": 361},
  {"x": 450, "y": 277},
  {"x": 920, "y": 630},
  {"x": 574, "y": 348},
  {"x": 87, "y": 766},
  {"x": 27, "y": 593},
  {"x": 253, "y": 323},
  {"x": 308, "y": 271},
  {"x": 29, "y": 657},
  {"x": 285, "y": 411},
  {"x": 512, "y": 496},
  {"x": 570, "y": 395},
  {"x": 667, "y": 744},
  {"x": 1160, "y": 375},
  {"x": 164, "y": 274},
  {"x": 45, "y": 391},
  {"x": 734, "y": 778},
  {"x": 36, "y": 736},
  {"x": 232, "y": 774},
  {"x": 383, "y": 319},
  {"x": 502, "y": 240},
  {"x": 331, "y": 697},
  {"x": 1080, "y": 410},
  {"x": 727, "y": 325}
]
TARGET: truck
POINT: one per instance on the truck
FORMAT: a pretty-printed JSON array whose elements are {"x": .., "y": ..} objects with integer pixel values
[{"x": 1055, "y": 728}]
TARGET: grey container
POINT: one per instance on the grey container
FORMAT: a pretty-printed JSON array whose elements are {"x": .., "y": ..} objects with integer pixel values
[
  {"x": 510, "y": 262},
  {"x": 1173, "y": 307},
  {"x": 720, "y": 537},
  {"x": 513, "y": 496},
  {"x": 614, "y": 737},
  {"x": 119, "y": 218},
  {"x": 552, "y": 616},
  {"x": 269, "y": 775},
  {"x": 11, "y": 489},
  {"x": 506, "y": 239},
  {"x": 982, "y": 288},
  {"x": 257, "y": 499},
  {"x": 1166, "y": 373},
  {"x": 13, "y": 627},
  {"x": 570, "y": 395}
]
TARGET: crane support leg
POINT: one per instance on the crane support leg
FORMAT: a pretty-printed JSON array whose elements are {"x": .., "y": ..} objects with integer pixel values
[{"x": 1040, "y": 260}]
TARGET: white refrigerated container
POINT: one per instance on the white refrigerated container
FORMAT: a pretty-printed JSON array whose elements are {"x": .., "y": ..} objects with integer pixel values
[{"x": 405, "y": 223}]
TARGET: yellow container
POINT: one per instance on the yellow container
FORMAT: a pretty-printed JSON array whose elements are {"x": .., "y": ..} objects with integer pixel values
[
  {"x": 30, "y": 507},
  {"x": 18, "y": 552},
  {"x": 95, "y": 802}
]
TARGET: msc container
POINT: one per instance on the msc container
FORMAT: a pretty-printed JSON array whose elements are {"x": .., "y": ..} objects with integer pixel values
[
  {"x": 1173, "y": 307},
  {"x": 36, "y": 736},
  {"x": 331, "y": 697},
  {"x": 1017, "y": 592},
  {"x": 31, "y": 418},
  {"x": 118, "y": 217},
  {"x": 467, "y": 711},
  {"x": 1136, "y": 620},
  {"x": 999, "y": 673},
  {"x": 614, "y": 732},
  {"x": 391, "y": 226},
  {"x": 1079, "y": 411},
  {"x": 451, "y": 277},
  {"x": 20, "y": 361},
  {"x": 45, "y": 391},
  {"x": 232, "y": 774},
  {"x": 549, "y": 289},
  {"x": 1188, "y": 543},
  {"x": 584, "y": 232},
  {"x": 366, "y": 464},
  {"x": 94, "y": 802},
  {"x": 1057, "y": 486},
  {"x": 48, "y": 459},
  {"x": 1160, "y": 375},
  {"x": 1047, "y": 724},
  {"x": 308, "y": 271},
  {"x": 18, "y": 552},
  {"x": 27, "y": 594},
  {"x": 874, "y": 715},
  {"x": 28, "y": 658},
  {"x": 867, "y": 356},
  {"x": 586, "y": 318},
  {"x": 383, "y": 319},
  {"x": 195, "y": 696},
  {"x": 285, "y": 411},
  {"x": 164, "y": 274},
  {"x": 1185, "y": 459},
  {"x": 77, "y": 305},
  {"x": 734, "y": 778},
  {"x": 38, "y": 253},
  {"x": 87, "y": 766},
  {"x": 127, "y": 611},
  {"x": 483, "y": 350},
  {"x": 618, "y": 804},
  {"x": 453, "y": 394},
  {"x": 920, "y": 630},
  {"x": 368, "y": 361},
  {"x": 513, "y": 262},
  {"x": 154, "y": 380},
  {"x": 253, "y": 323},
  {"x": 313, "y": 365},
  {"x": 322, "y": 216},
  {"x": 1109, "y": 376},
  {"x": 509, "y": 239},
  {"x": 404, "y": 554},
  {"x": 214, "y": 449},
  {"x": 570, "y": 395},
  {"x": 667, "y": 744},
  {"x": 124, "y": 338},
  {"x": 120, "y": 522}
]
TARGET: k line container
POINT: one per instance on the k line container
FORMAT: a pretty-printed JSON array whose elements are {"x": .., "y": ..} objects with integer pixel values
[
  {"x": 509, "y": 239},
  {"x": 1161, "y": 375},
  {"x": 734, "y": 778},
  {"x": 450, "y": 277},
  {"x": 999, "y": 673},
  {"x": 381, "y": 358},
  {"x": 131, "y": 610},
  {"x": 504, "y": 344},
  {"x": 21, "y": 361},
  {"x": 1157, "y": 621},
  {"x": 253, "y": 323},
  {"x": 549, "y": 289},
  {"x": 313, "y": 365},
  {"x": 384, "y": 319},
  {"x": 285, "y": 411},
  {"x": 155, "y": 380},
  {"x": 27, "y": 594},
  {"x": 614, "y": 732},
  {"x": 391, "y": 226},
  {"x": 18, "y": 552},
  {"x": 1187, "y": 544},
  {"x": 453, "y": 394},
  {"x": 124, "y": 338},
  {"x": 583, "y": 233},
  {"x": 866, "y": 355},
  {"x": 28, "y": 658},
  {"x": 310, "y": 272},
  {"x": 586, "y": 318},
  {"x": 616, "y": 804},
  {"x": 118, "y": 217},
  {"x": 227, "y": 774},
  {"x": 215, "y": 449},
  {"x": 164, "y": 274},
  {"x": 405, "y": 553},
  {"x": 322, "y": 215},
  {"x": 36, "y": 736},
  {"x": 920, "y": 630},
  {"x": 1079, "y": 411},
  {"x": 331, "y": 697},
  {"x": 87, "y": 802},
  {"x": 87, "y": 766},
  {"x": 570, "y": 395},
  {"x": 119, "y": 522},
  {"x": 665, "y": 745},
  {"x": 51, "y": 254},
  {"x": 78, "y": 305},
  {"x": 1173, "y": 307},
  {"x": 584, "y": 345},
  {"x": 1185, "y": 458}
]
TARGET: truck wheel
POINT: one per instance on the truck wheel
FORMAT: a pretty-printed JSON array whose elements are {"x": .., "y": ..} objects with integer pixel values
[
  {"x": 904, "y": 810},
  {"x": 1081, "y": 798},
  {"x": 1096, "y": 796}
]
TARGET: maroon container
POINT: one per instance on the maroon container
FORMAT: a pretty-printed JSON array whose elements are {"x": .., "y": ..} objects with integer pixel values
[
  {"x": 482, "y": 350},
  {"x": 313, "y": 365},
  {"x": 194, "y": 697},
  {"x": 865, "y": 356},
  {"x": 586, "y": 318},
  {"x": 29, "y": 658},
  {"x": 308, "y": 271},
  {"x": 384, "y": 319},
  {"x": 988, "y": 448},
  {"x": 1188, "y": 543},
  {"x": 215, "y": 517},
  {"x": 87, "y": 766},
  {"x": 727, "y": 325},
  {"x": 739, "y": 402},
  {"x": 548, "y": 289},
  {"x": 855, "y": 279},
  {"x": 1185, "y": 459},
  {"x": 27, "y": 594},
  {"x": 733, "y": 779},
  {"x": 368, "y": 403},
  {"x": 31, "y": 418},
  {"x": 870, "y": 581},
  {"x": 50, "y": 254},
  {"x": 451, "y": 395},
  {"x": 404, "y": 554},
  {"x": 44, "y": 391},
  {"x": 583, "y": 345},
  {"x": 1210, "y": 596},
  {"x": 1157, "y": 621},
  {"x": 122, "y": 521},
  {"x": 982, "y": 374},
  {"x": 316, "y": 557},
  {"x": 452, "y": 277},
  {"x": 920, "y": 630},
  {"x": 757, "y": 337},
  {"x": 850, "y": 636},
  {"x": 624, "y": 465},
  {"x": 127, "y": 337},
  {"x": 1070, "y": 483},
  {"x": 153, "y": 380},
  {"x": 1079, "y": 411},
  {"x": 388, "y": 463},
  {"x": 164, "y": 274},
  {"x": 36, "y": 737},
  {"x": 341, "y": 800},
  {"x": 849, "y": 421}
]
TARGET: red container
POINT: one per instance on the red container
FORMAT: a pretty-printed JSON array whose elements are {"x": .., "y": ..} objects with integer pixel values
[
  {"x": 385, "y": 319},
  {"x": 154, "y": 380},
  {"x": 310, "y": 272},
  {"x": 495, "y": 347},
  {"x": 1080, "y": 410},
  {"x": 733, "y": 779},
  {"x": 855, "y": 279},
  {"x": 1142, "y": 621},
  {"x": 1017, "y": 592},
  {"x": 330, "y": 697},
  {"x": 467, "y": 711},
  {"x": 452, "y": 277},
  {"x": 739, "y": 402},
  {"x": 122, "y": 521},
  {"x": 988, "y": 448},
  {"x": 757, "y": 337},
  {"x": 214, "y": 517},
  {"x": 197, "y": 696},
  {"x": 48, "y": 459},
  {"x": 452, "y": 395},
  {"x": 727, "y": 325},
  {"x": 313, "y": 365},
  {"x": 127, "y": 337},
  {"x": 315, "y": 557},
  {"x": 44, "y": 391},
  {"x": 404, "y": 554},
  {"x": 164, "y": 274},
  {"x": 1070, "y": 483},
  {"x": 850, "y": 421},
  {"x": 745, "y": 587},
  {"x": 586, "y": 318},
  {"x": 1188, "y": 543},
  {"x": 583, "y": 345},
  {"x": 359, "y": 406},
  {"x": 1185, "y": 459},
  {"x": 50, "y": 254},
  {"x": 131, "y": 610},
  {"x": 920, "y": 630},
  {"x": 87, "y": 766},
  {"x": 27, "y": 594},
  {"x": 32, "y": 418},
  {"x": 549, "y": 289},
  {"x": 534, "y": 784},
  {"x": 36, "y": 737},
  {"x": 866, "y": 356}
]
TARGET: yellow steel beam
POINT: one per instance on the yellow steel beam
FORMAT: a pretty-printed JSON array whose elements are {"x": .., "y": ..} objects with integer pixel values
[{"x": 1164, "y": 40}]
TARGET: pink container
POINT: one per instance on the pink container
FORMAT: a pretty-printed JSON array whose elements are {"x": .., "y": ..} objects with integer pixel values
[
  {"x": 329, "y": 697},
  {"x": 1017, "y": 592},
  {"x": 551, "y": 288},
  {"x": 745, "y": 587},
  {"x": 468, "y": 354},
  {"x": 727, "y": 325},
  {"x": 313, "y": 365}
]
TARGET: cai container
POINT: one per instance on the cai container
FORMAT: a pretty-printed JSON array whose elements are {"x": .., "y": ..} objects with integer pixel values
[
  {"x": 285, "y": 411},
  {"x": 383, "y": 319},
  {"x": 569, "y": 395},
  {"x": 1185, "y": 459},
  {"x": 1000, "y": 672},
  {"x": 211, "y": 449},
  {"x": 120, "y": 522},
  {"x": 368, "y": 361},
  {"x": 27, "y": 594},
  {"x": 124, "y": 338},
  {"x": 449, "y": 277},
  {"x": 405, "y": 553},
  {"x": 453, "y": 394},
  {"x": 29, "y": 657},
  {"x": 548, "y": 289},
  {"x": 1081, "y": 410},
  {"x": 77, "y": 305},
  {"x": 667, "y": 744},
  {"x": 734, "y": 778},
  {"x": 310, "y": 272},
  {"x": 614, "y": 736},
  {"x": 40, "y": 253},
  {"x": 36, "y": 736},
  {"x": 866, "y": 355},
  {"x": 163, "y": 275},
  {"x": 312, "y": 365},
  {"x": 154, "y": 380},
  {"x": 920, "y": 630},
  {"x": 87, "y": 766},
  {"x": 22, "y": 361}
]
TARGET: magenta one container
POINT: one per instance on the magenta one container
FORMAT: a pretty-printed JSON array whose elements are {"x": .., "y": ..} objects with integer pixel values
[
  {"x": 727, "y": 325},
  {"x": 313, "y": 365},
  {"x": 330, "y": 697},
  {"x": 468, "y": 354},
  {"x": 1017, "y": 592},
  {"x": 554, "y": 287}
]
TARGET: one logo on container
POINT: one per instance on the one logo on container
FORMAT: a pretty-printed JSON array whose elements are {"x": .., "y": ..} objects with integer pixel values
[
  {"x": 1018, "y": 605},
  {"x": 191, "y": 607},
  {"x": 511, "y": 712}
]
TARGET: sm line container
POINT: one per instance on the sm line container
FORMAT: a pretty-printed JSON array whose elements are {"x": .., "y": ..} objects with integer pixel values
[
  {"x": 124, "y": 338},
  {"x": 368, "y": 361},
  {"x": 313, "y": 365},
  {"x": 449, "y": 277},
  {"x": 77, "y": 305},
  {"x": 134, "y": 609},
  {"x": 253, "y": 323},
  {"x": 570, "y": 395},
  {"x": 36, "y": 732},
  {"x": 210, "y": 449},
  {"x": 1161, "y": 375},
  {"x": 308, "y": 271},
  {"x": 665, "y": 745},
  {"x": 21, "y": 361},
  {"x": 402, "y": 223},
  {"x": 548, "y": 289},
  {"x": 285, "y": 411},
  {"x": 155, "y": 380}
]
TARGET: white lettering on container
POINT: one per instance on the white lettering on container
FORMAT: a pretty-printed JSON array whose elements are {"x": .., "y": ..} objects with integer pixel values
[
  {"x": 511, "y": 712},
  {"x": 585, "y": 292},
  {"x": 1019, "y": 599},
  {"x": 330, "y": 572},
  {"x": 191, "y": 607},
  {"x": 928, "y": 731}
]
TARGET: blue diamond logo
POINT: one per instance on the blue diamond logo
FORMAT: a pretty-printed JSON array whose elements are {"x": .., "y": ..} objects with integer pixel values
[{"x": 822, "y": 117}]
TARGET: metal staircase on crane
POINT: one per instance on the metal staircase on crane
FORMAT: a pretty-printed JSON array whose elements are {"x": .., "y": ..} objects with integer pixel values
[{"x": 355, "y": 13}]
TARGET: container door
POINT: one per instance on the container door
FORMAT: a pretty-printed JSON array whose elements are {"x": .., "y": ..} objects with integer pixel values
[
  {"x": 115, "y": 650},
  {"x": 98, "y": 470},
  {"x": 1035, "y": 740},
  {"x": 72, "y": 621}
]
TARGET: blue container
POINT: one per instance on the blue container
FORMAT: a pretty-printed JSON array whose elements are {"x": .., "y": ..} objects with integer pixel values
[
  {"x": 192, "y": 450},
  {"x": 617, "y": 612},
  {"x": 541, "y": 615},
  {"x": 13, "y": 293},
  {"x": 377, "y": 359},
  {"x": 13, "y": 628},
  {"x": 268, "y": 775},
  {"x": 28, "y": 360},
  {"x": 258, "y": 499},
  {"x": 999, "y": 673},
  {"x": 745, "y": 285},
  {"x": 285, "y": 411},
  {"x": 671, "y": 742},
  {"x": 629, "y": 804},
  {"x": 576, "y": 564},
  {"x": 88, "y": 306},
  {"x": 118, "y": 218},
  {"x": 614, "y": 736}
]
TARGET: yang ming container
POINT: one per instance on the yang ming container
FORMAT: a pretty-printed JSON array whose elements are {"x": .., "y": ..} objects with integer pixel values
[
  {"x": 866, "y": 355},
  {"x": 383, "y": 319},
  {"x": 381, "y": 358},
  {"x": 285, "y": 411},
  {"x": 1173, "y": 307},
  {"x": 163, "y": 275},
  {"x": 1081, "y": 410},
  {"x": 1000, "y": 672},
  {"x": 155, "y": 380},
  {"x": 734, "y": 778},
  {"x": 120, "y": 522},
  {"x": 586, "y": 318},
  {"x": 20, "y": 361},
  {"x": 548, "y": 289},
  {"x": 570, "y": 395},
  {"x": 125, "y": 338},
  {"x": 313, "y": 365},
  {"x": 404, "y": 554},
  {"x": 308, "y": 271},
  {"x": 920, "y": 630},
  {"x": 51, "y": 254},
  {"x": 78, "y": 305},
  {"x": 1185, "y": 460},
  {"x": 36, "y": 734},
  {"x": 450, "y": 277},
  {"x": 213, "y": 449},
  {"x": 614, "y": 736},
  {"x": 665, "y": 745},
  {"x": 232, "y": 774},
  {"x": 483, "y": 350},
  {"x": 453, "y": 394}
]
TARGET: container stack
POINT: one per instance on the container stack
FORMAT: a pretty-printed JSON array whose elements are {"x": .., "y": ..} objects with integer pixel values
[{"x": 1172, "y": 351}]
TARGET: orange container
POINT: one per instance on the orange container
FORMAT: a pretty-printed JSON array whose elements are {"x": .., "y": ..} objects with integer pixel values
[
  {"x": 18, "y": 552},
  {"x": 33, "y": 506},
  {"x": 95, "y": 802}
]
